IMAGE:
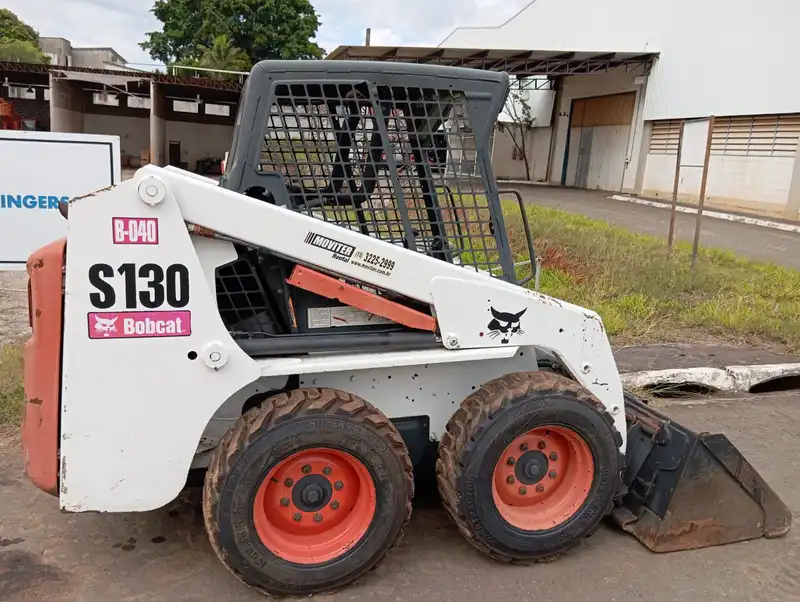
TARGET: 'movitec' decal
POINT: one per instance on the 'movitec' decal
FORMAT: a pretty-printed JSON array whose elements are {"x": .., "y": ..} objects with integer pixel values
[
  {"x": 134, "y": 230},
  {"x": 340, "y": 250},
  {"x": 139, "y": 324}
]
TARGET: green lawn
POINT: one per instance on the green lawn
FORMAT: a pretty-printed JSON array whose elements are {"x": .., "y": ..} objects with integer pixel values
[
  {"x": 11, "y": 396},
  {"x": 644, "y": 296}
]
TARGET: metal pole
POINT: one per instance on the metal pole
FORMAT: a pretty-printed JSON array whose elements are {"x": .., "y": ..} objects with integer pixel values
[
  {"x": 674, "y": 212},
  {"x": 703, "y": 183},
  {"x": 369, "y": 36}
]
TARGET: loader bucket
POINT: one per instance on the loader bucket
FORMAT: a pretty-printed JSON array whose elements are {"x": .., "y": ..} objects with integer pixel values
[{"x": 687, "y": 490}]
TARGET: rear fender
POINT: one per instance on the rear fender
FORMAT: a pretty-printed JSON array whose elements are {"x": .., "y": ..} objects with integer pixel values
[{"x": 42, "y": 372}]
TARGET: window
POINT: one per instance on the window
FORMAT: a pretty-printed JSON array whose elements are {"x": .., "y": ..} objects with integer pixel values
[
  {"x": 756, "y": 136},
  {"x": 183, "y": 106},
  {"x": 21, "y": 92},
  {"x": 108, "y": 99},
  {"x": 664, "y": 139},
  {"x": 139, "y": 102},
  {"x": 221, "y": 110}
]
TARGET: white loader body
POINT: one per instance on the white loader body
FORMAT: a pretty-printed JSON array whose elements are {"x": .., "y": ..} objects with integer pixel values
[{"x": 151, "y": 378}]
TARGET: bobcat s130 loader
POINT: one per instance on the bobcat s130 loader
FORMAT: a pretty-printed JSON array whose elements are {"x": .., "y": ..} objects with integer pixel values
[{"x": 342, "y": 306}]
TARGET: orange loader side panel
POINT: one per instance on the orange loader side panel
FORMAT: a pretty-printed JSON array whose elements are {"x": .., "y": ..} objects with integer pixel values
[{"x": 40, "y": 428}]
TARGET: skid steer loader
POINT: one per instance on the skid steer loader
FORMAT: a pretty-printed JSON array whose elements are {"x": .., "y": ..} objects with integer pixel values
[{"x": 343, "y": 303}]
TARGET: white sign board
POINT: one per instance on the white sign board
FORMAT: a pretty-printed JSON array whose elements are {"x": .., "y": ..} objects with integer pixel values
[{"x": 39, "y": 170}]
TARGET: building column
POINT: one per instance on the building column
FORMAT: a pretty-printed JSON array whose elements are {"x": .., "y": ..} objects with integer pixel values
[
  {"x": 66, "y": 106},
  {"x": 158, "y": 125},
  {"x": 793, "y": 200}
]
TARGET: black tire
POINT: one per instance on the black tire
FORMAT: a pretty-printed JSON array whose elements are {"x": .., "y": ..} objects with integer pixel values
[
  {"x": 274, "y": 431},
  {"x": 479, "y": 432}
]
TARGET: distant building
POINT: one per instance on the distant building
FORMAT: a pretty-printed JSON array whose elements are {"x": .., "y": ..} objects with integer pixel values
[
  {"x": 62, "y": 54},
  {"x": 618, "y": 129}
]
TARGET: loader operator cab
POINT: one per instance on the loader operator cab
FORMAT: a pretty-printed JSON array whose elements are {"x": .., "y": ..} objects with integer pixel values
[{"x": 394, "y": 151}]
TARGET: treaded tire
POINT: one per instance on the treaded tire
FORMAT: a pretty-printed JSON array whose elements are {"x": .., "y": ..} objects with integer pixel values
[
  {"x": 490, "y": 419},
  {"x": 266, "y": 435}
]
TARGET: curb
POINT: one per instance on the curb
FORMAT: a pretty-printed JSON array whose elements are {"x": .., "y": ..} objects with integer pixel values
[
  {"x": 751, "y": 221},
  {"x": 739, "y": 379}
]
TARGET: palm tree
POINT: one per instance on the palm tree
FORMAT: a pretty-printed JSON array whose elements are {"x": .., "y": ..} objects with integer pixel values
[{"x": 223, "y": 55}]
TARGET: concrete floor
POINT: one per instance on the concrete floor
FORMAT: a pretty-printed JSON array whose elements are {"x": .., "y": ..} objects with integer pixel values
[
  {"x": 754, "y": 242},
  {"x": 164, "y": 555}
]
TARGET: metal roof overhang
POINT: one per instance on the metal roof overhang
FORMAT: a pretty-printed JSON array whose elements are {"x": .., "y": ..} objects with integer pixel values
[
  {"x": 519, "y": 63},
  {"x": 118, "y": 76}
]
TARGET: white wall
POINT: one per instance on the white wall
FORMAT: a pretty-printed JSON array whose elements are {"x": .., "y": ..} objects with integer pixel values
[
  {"x": 716, "y": 56},
  {"x": 735, "y": 182},
  {"x": 198, "y": 140},
  {"x": 752, "y": 183},
  {"x": 133, "y": 132},
  {"x": 538, "y": 147}
]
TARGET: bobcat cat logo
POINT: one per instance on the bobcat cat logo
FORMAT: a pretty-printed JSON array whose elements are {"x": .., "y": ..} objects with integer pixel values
[
  {"x": 105, "y": 326},
  {"x": 505, "y": 325}
]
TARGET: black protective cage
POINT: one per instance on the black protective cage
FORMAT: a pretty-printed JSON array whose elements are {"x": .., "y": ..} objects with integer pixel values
[{"x": 395, "y": 151}]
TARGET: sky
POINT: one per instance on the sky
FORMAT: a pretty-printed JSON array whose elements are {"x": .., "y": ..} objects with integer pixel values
[{"x": 122, "y": 24}]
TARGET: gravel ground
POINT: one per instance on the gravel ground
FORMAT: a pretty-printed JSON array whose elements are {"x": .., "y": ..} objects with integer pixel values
[
  {"x": 13, "y": 306},
  {"x": 165, "y": 555}
]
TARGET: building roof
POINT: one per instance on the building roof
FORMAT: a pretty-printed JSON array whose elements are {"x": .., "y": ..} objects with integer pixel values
[
  {"x": 522, "y": 63},
  {"x": 100, "y": 49},
  {"x": 98, "y": 75}
]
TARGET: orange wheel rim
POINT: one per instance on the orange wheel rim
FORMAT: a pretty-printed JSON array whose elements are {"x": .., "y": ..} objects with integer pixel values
[
  {"x": 314, "y": 506},
  {"x": 542, "y": 478}
]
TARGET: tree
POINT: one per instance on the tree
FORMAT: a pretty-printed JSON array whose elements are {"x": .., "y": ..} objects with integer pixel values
[
  {"x": 262, "y": 29},
  {"x": 518, "y": 111},
  {"x": 19, "y": 51},
  {"x": 14, "y": 29},
  {"x": 223, "y": 55},
  {"x": 19, "y": 42}
]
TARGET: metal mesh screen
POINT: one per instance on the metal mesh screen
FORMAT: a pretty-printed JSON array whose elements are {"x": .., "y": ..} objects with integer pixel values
[
  {"x": 241, "y": 298},
  {"x": 395, "y": 162}
]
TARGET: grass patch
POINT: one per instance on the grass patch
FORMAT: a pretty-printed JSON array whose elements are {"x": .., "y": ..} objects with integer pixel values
[
  {"x": 12, "y": 397},
  {"x": 645, "y": 296}
]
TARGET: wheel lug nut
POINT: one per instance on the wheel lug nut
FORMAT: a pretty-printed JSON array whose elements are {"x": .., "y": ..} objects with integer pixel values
[
  {"x": 554, "y": 456},
  {"x": 523, "y": 490},
  {"x": 338, "y": 485},
  {"x": 539, "y": 488},
  {"x": 510, "y": 480},
  {"x": 317, "y": 518},
  {"x": 542, "y": 444},
  {"x": 553, "y": 474},
  {"x": 288, "y": 482},
  {"x": 511, "y": 461},
  {"x": 298, "y": 517},
  {"x": 335, "y": 505},
  {"x": 306, "y": 469},
  {"x": 285, "y": 502},
  {"x": 327, "y": 470},
  {"x": 523, "y": 447}
]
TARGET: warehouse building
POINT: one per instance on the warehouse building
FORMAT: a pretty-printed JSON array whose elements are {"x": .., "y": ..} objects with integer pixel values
[
  {"x": 618, "y": 131},
  {"x": 615, "y": 79}
]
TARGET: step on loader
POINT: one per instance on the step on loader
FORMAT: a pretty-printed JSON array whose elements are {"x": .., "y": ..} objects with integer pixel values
[{"x": 342, "y": 304}]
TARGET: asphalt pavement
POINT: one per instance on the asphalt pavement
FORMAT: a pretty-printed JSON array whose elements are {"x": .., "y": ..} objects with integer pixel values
[{"x": 754, "y": 242}]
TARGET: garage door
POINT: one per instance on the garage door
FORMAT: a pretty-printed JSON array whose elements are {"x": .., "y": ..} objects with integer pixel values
[{"x": 598, "y": 141}]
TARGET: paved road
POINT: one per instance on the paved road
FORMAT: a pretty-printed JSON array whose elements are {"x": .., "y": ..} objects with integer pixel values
[
  {"x": 755, "y": 242},
  {"x": 164, "y": 555}
]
